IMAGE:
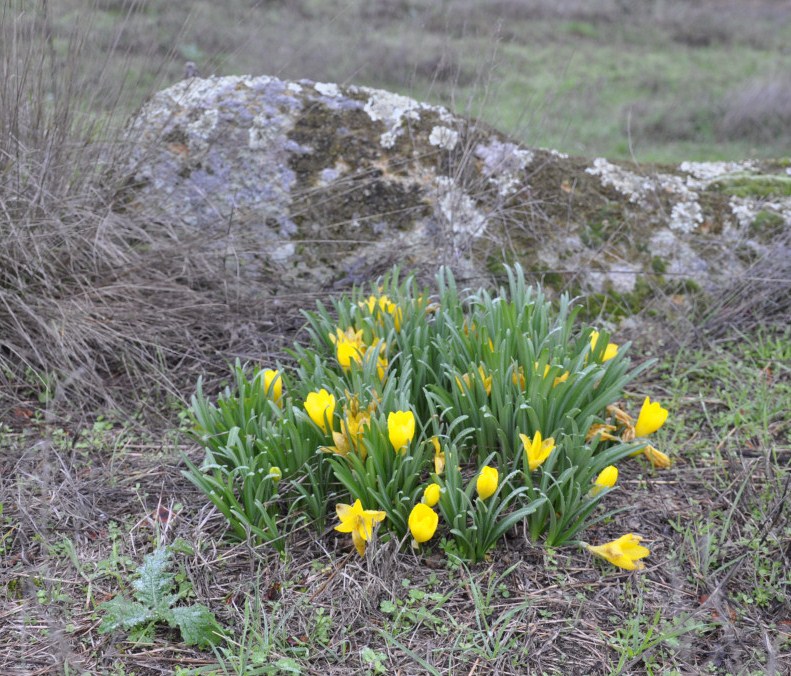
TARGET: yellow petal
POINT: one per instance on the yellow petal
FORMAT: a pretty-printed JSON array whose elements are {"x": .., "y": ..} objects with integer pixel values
[
  {"x": 273, "y": 385},
  {"x": 400, "y": 428},
  {"x": 487, "y": 481},
  {"x": 652, "y": 417},
  {"x": 609, "y": 352},
  {"x": 320, "y": 406},
  {"x": 346, "y": 353},
  {"x": 656, "y": 457},
  {"x": 347, "y": 515},
  {"x": 359, "y": 543},
  {"x": 367, "y": 520},
  {"x": 423, "y": 522},
  {"x": 439, "y": 463},
  {"x": 431, "y": 495},
  {"x": 607, "y": 477}
]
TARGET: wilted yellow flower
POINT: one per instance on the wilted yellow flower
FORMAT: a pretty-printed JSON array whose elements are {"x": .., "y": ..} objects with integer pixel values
[
  {"x": 603, "y": 431},
  {"x": 487, "y": 482},
  {"x": 656, "y": 457},
  {"x": 359, "y": 522},
  {"x": 620, "y": 415},
  {"x": 537, "y": 450},
  {"x": 353, "y": 424},
  {"x": 423, "y": 522},
  {"x": 518, "y": 378},
  {"x": 377, "y": 306},
  {"x": 558, "y": 379},
  {"x": 439, "y": 456},
  {"x": 609, "y": 352},
  {"x": 320, "y": 406},
  {"x": 342, "y": 444},
  {"x": 606, "y": 479},
  {"x": 400, "y": 428},
  {"x": 273, "y": 385},
  {"x": 467, "y": 378},
  {"x": 623, "y": 552},
  {"x": 431, "y": 494},
  {"x": 652, "y": 417}
]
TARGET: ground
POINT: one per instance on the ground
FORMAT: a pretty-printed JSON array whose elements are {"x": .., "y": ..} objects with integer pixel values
[{"x": 84, "y": 504}]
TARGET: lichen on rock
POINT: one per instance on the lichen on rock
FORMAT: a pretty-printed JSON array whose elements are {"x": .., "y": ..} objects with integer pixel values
[{"x": 305, "y": 184}]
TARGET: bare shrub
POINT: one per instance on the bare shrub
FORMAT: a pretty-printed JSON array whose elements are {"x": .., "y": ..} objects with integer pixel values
[
  {"x": 759, "y": 111},
  {"x": 758, "y": 298},
  {"x": 691, "y": 117}
]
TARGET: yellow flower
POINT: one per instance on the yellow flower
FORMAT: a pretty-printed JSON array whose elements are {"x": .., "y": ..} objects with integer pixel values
[
  {"x": 353, "y": 424},
  {"x": 273, "y": 385},
  {"x": 275, "y": 473},
  {"x": 346, "y": 353},
  {"x": 359, "y": 522},
  {"x": 400, "y": 428},
  {"x": 652, "y": 417},
  {"x": 487, "y": 482},
  {"x": 431, "y": 495},
  {"x": 537, "y": 450},
  {"x": 320, "y": 407},
  {"x": 623, "y": 552},
  {"x": 377, "y": 306},
  {"x": 606, "y": 479},
  {"x": 349, "y": 346},
  {"x": 609, "y": 352},
  {"x": 439, "y": 456},
  {"x": 656, "y": 457},
  {"x": 423, "y": 522}
]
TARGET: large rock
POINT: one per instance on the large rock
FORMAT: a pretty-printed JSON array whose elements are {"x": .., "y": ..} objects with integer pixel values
[{"x": 305, "y": 184}]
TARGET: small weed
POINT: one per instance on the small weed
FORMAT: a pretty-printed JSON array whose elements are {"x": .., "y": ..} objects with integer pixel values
[
  {"x": 155, "y": 603},
  {"x": 640, "y": 635}
]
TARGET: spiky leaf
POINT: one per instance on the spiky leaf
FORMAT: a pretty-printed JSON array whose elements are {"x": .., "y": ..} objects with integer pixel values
[
  {"x": 154, "y": 581},
  {"x": 121, "y": 613},
  {"x": 197, "y": 624}
]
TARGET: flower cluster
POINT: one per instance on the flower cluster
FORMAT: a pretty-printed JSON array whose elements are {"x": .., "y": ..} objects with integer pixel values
[{"x": 465, "y": 415}]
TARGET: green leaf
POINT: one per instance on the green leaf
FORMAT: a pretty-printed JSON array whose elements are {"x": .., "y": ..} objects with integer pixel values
[
  {"x": 121, "y": 613},
  {"x": 154, "y": 581},
  {"x": 197, "y": 624}
]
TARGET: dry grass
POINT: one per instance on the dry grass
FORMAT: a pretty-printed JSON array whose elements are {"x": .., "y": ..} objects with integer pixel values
[{"x": 95, "y": 304}]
